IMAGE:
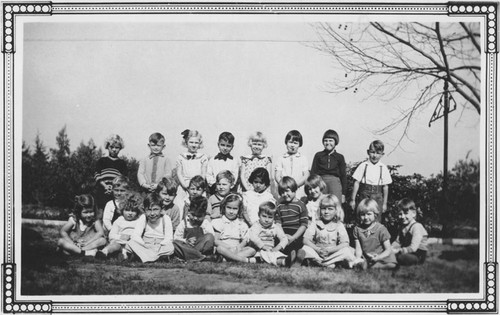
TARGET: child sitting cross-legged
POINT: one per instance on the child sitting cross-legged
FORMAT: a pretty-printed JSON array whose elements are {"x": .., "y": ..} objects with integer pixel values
[
  {"x": 194, "y": 237},
  {"x": 231, "y": 233},
  {"x": 82, "y": 234},
  {"x": 123, "y": 227},
  {"x": 264, "y": 234},
  {"x": 152, "y": 236},
  {"x": 326, "y": 241}
]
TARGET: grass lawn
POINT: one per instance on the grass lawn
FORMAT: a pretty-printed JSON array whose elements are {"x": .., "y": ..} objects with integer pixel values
[{"x": 448, "y": 269}]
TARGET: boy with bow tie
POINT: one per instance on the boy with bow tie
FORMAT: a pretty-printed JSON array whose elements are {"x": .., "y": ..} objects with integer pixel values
[
  {"x": 223, "y": 161},
  {"x": 155, "y": 166}
]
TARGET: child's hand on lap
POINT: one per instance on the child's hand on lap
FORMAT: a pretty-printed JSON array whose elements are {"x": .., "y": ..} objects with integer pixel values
[
  {"x": 125, "y": 237},
  {"x": 191, "y": 241},
  {"x": 323, "y": 252},
  {"x": 267, "y": 248},
  {"x": 372, "y": 258},
  {"x": 290, "y": 238}
]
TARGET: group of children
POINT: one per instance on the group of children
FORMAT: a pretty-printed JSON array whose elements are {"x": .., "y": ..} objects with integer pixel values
[{"x": 221, "y": 208}]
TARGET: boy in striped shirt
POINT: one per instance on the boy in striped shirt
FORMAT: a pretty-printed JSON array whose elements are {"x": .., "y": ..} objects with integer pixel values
[{"x": 291, "y": 214}]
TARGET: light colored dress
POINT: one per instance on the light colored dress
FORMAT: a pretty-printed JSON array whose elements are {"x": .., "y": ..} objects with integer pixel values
[
  {"x": 151, "y": 242},
  {"x": 191, "y": 165},
  {"x": 326, "y": 235},
  {"x": 295, "y": 166}
]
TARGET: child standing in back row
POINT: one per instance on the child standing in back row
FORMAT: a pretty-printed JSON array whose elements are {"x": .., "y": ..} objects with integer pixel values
[
  {"x": 257, "y": 143},
  {"x": 190, "y": 163},
  {"x": 372, "y": 178},
  {"x": 223, "y": 161},
  {"x": 331, "y": 166},
  {"x": 155, "y": 166},
  {"x": 107, "y": 169},
  {"x": 293, "y": 163}
]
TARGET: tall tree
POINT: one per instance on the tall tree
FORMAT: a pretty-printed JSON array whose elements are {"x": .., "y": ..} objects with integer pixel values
[
  {"x": 413, "y": 60},
  {"x": 40, "y": 178},
  {"x": 59, "y": 162},
  {"x": 82, "y": 167}
]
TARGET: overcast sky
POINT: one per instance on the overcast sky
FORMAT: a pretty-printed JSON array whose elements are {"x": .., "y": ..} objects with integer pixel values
[{"x": 134, "y": 79}]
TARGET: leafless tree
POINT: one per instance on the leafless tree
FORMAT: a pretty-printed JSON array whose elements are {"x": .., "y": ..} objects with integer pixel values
[{"x": 390, "y": 61}]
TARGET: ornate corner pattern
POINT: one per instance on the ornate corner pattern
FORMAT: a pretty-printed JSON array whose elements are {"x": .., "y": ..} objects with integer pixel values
[
  {"x": 12, "y": 306},
  {"x": 10, "y": 11},
  {"x": 489, "y": 10},
  {"x": 488, "y": 305}
]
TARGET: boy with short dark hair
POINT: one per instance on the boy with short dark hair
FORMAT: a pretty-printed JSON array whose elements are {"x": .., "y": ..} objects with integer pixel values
[
  {"x": 155, "y": 166},
  {"x": 291, "y": 215},
  {"x": 194, "y": 237},
  {"x": 372, "y": 178},
  {"x": 222, "y": 161}
]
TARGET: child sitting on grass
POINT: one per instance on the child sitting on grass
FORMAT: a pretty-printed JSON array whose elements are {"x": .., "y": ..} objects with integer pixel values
[
  {"x": 224, "y": 184},
  {"x": 197, "y": 187},
  {"x": 264, "y": 234},
  {"x": 231, "y": 233},
  {"x": 194, "y": 237},
  {"x": 326, "y": 241},
  {"x": 82, "y": 234},
  {"x": 372, "y": 239},
  {"x": 152, "y": 236},
  {"x": 167, "y": 189},
  {"x": 410, "y": 246},
  {"x": 123, "y": 227},
  {"x": 291, "y": 215},
  {"x": 252, "y": 199},
  {"x": 112, "y": 208},
  {"x": 314, "y": 188}
]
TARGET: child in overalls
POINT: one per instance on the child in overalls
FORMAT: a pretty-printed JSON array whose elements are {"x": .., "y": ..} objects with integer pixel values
[
  {"x": 194, "y": 237},
  {"x": 372, "y": 178},
  {"x": 152, "y": 236}
]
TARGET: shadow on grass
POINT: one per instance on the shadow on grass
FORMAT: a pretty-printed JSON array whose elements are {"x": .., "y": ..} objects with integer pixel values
[
  {"x": 36, "y": 253},
  {"x": 467, "y": 253}
]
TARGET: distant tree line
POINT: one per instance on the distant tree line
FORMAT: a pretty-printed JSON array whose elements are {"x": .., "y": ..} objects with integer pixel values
[{"x": 52, "y": 177}]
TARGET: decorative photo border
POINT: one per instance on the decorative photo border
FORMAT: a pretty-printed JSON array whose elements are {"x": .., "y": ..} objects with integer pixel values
[{"x": 486, "y": 10}]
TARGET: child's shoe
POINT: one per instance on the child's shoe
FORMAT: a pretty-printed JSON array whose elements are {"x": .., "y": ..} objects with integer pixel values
[
  {"x": 290, "y": 259},
  {"x": 100, "y": 255},
  {"x": 359, "y": 264},
  {"x": 301, "y": 254}
]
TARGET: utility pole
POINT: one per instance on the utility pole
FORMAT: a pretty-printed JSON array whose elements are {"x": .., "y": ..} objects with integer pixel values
[{"x": 442, "y": 110}]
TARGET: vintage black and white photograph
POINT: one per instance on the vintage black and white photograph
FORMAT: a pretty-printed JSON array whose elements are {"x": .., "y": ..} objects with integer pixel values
[{"x": 249, "y": 157}]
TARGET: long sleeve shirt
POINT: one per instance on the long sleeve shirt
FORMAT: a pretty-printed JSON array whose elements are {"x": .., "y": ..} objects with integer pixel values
[{"x": 330, "y": 163}]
